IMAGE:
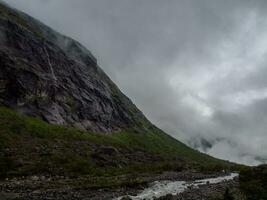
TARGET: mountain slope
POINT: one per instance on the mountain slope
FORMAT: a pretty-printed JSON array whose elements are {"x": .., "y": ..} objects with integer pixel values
[
  {"x": 53, "y": 78},
  {"x": 29, "y": 146}
]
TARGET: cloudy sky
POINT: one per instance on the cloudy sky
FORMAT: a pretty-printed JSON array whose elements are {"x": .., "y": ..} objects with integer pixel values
[{"x": 197, "y": 69}]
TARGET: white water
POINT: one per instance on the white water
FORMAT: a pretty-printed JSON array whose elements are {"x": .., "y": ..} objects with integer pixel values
[
  {"x": 162, "y": 188},
  {"x": 50, "y": 65}
]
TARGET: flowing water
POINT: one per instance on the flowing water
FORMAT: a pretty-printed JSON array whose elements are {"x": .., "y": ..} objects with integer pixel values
[
  {"x": 162, "y": 188},
  {"x": 51, "y": 67}
]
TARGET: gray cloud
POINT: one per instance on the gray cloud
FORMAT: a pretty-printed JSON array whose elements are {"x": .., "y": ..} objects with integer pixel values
[{"x": 196, "y": 68}]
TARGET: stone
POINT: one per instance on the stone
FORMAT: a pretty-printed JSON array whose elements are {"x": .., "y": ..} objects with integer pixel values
[
  {"x": 8, "y": 196},
  {"x": 126, "y": 198},
  {"x": 107, "y": 151},
  {"x": 34, "y": 178}
]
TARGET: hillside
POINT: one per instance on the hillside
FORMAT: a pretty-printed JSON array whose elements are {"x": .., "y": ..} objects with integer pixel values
[
  {"x": 30, "y": 147},
  {"x": 64, "y": 122}
]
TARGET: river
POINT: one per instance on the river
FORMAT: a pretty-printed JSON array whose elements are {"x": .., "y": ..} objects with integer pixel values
[{"x": 161, "y": 188}]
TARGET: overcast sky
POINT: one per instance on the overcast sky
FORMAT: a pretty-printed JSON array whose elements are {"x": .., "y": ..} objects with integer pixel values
[{"x": 197, "y": 69}]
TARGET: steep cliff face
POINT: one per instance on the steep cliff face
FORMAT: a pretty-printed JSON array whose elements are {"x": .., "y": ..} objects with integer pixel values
[{"x": 47, "y": 75}]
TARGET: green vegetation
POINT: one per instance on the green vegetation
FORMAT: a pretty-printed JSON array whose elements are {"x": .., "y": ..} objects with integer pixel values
[
  {"x": 160, "y": 143},
  {"x": 253, "y": 182},
  {"x": 29, "y": 146}
]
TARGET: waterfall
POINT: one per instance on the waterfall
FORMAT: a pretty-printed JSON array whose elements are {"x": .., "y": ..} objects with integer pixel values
[{"x": 51, "y": 67}]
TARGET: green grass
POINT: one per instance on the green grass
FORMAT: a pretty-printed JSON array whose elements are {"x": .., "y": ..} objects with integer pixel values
[
  {"x": 14, "y": 124},
  {"x": 30, "y": 146},
  {"x": 156, "y": 141}
]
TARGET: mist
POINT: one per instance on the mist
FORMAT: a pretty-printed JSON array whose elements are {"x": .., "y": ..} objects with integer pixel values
[{"x": 197, "y": 69}]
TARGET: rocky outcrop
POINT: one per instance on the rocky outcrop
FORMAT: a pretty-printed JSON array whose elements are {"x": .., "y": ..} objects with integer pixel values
[{"x": 47, "y": 75}]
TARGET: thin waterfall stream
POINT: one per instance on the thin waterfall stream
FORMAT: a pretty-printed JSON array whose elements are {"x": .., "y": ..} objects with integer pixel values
[{"x": 51, "y": 67}]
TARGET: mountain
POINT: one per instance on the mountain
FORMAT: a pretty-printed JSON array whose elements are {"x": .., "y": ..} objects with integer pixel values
[
  {"x": 62, "y": 116},
  {"x": 53, "y": 77}
]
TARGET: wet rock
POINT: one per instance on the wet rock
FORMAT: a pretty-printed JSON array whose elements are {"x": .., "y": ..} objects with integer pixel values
[
  {"x": 126, "y": 198},
  {"x": 34, "y": 178},
  {"x": 8, "y": 196},
  {"x": 107, "y": 151},
  {"x": 167, "y": 197}
]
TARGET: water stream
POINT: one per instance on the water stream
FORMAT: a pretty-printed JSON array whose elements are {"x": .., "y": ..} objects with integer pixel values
[
  {"x": 162, "y": 188},
  {"x": 51, "y": 67}
]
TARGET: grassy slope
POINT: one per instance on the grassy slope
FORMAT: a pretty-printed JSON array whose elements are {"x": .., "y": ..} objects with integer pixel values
[{"x": 30, "y": 146}]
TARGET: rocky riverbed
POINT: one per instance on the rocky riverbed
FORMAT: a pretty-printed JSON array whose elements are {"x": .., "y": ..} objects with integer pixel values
[
  {"x": 172, "y": 189},
  {"x": 209, "y": 192},
  {"x": 60, "y": 188}
]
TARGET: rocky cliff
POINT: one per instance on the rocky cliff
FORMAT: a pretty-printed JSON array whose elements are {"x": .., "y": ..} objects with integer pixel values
[{"x": 48, "y": 75}]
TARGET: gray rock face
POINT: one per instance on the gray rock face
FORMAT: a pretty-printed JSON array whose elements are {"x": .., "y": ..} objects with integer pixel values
[{"x": 50, "y": 76}]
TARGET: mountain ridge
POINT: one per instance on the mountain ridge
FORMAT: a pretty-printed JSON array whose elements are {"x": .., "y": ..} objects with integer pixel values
[{"x": 81, "y": 84}]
